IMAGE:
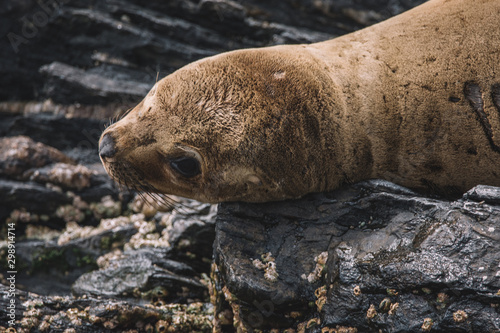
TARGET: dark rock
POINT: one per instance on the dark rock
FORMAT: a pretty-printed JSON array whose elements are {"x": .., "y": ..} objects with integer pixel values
[
  {"x": 93, "y": 315},
  {"x": 152, "y": 262},
  {"x": 347, "y": 250},
  {"x": 50, "y": 205},
  {"x": 95, "y": 53},
  {"x": 76, "y": 137},
  {"x": 91, "y": 87},
  {"x": 141, "y": 271},
  {"x": 100, "y": 187},
  {"x": 21, "y": 153},
  {"x": 191, "y": 232},
  {"x": 44, "y": 181},
  {"x": 488, "y": 194},
  {"x": 20, "y": 195},
  {"x": 51, "y": 267}
]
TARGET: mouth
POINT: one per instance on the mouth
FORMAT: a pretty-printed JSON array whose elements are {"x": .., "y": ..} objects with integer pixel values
[{"x": 130, "y": 178}]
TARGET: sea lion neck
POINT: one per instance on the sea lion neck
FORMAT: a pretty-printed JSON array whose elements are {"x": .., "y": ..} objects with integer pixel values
[{"x": 352, "y": 113}]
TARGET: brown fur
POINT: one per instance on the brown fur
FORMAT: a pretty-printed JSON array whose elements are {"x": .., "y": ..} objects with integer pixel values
[{"x": 414, "y": 100}]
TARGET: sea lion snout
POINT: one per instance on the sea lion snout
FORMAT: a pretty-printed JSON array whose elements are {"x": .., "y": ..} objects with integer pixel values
[{"x": 107, "y": 147}]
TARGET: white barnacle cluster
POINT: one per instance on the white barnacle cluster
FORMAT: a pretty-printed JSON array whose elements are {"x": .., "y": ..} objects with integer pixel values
[
  {"x": 268, "y": 264},
  {"x": 315, "y": 275}
]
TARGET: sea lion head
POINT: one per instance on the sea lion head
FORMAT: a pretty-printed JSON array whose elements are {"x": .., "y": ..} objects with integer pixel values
[{"x": 243, "y": 125}]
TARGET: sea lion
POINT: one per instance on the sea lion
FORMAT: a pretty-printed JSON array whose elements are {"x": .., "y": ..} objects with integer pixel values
[{"x": 414, "y": 100}]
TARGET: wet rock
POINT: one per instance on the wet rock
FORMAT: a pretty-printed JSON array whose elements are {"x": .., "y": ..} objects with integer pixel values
[
  {"x": 191, "y": 231},
  {"x": 51, "y": 205},
  {"x": 65, "y": 175},
  {"x": 49, "y": 267},
  {"x": 135, "y": 255},
  {"x": 372, "y": 257},
  {"x": 170, "y": 251},
  {"x": 114, "y": 50},
  {"x": 19, "y": 154},
  {"x": 483, "y": 193},
  {"x": 51, "y": 187},
  {"x": 93, "y": 315},
  {"x": 35, "y": 199},
  {"x": 138, "y": 273},
  {"x": 88, "y": 85},
  {"x": 77, "y": 138}
]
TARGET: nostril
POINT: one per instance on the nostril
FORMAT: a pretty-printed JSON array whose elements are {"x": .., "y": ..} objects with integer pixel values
[{"x": 107, "y": 146}]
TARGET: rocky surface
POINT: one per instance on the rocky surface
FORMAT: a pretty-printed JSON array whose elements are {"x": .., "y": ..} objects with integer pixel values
[
  {"x": 40, "y": 184},
  {"x": 373, "y": 257},
  {"x": 95, "y": 315},
  {"x": 109, "y": 53},
  {"x": 129, "y": 272}
]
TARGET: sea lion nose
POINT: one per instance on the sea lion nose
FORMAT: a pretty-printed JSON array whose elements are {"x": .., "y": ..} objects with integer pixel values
[{"x": 107, "y": 146}]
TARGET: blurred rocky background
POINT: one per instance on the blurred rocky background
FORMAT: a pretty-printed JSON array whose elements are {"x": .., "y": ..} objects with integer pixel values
[{"x": 93, "y": 258}]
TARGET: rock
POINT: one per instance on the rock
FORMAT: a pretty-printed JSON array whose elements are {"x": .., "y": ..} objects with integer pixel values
[
  {"x": 77, "y": 138},
  {"x": 16, "y": 196},
  {"x": 47, "y": 184},
  {"x": 93, "y": 315},
  {"x": 483, "y": 193},
  {"x": 369, "y": 246},
  {"x": 191, "y": 232},
  {"x": 135, "y": 256},
  {"x": 102, "y": 187},
  {"x": 91, "y": 87},
  {"x": 51, "y": 267},
  {"x": 156, "y": 256},
  {"x": 65, "y": 175},
  {"x": 19, "y": 154},
  {"x": 138, "y": 273},
  {"x": 115, "y": 50}
]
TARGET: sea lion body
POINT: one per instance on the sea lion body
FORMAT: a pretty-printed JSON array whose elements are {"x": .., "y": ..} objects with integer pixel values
[{"x": 414, "y": 100}]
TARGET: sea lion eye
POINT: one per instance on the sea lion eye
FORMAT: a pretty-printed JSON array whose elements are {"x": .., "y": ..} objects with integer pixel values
[{"x": 186, "y": 166}]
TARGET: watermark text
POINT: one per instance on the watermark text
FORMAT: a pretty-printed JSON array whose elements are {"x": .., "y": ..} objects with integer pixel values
[
  {"x": 11, "y": 274},
  {"x": 31, "y": 23}
]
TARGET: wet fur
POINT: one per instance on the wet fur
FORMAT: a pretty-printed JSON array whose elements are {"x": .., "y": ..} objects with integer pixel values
[{"x": 414, "y": 100}]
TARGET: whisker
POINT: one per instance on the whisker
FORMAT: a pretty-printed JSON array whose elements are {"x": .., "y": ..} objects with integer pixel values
[
  {"x": 132, "y": 180},
  {"x": 120, "y": 117},
  {"x": 165, "y": 200}
]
